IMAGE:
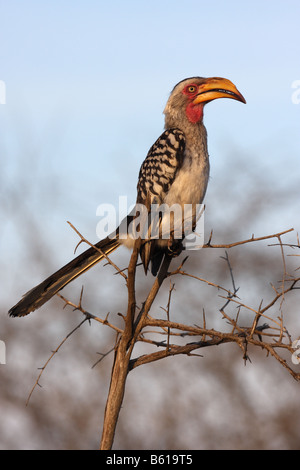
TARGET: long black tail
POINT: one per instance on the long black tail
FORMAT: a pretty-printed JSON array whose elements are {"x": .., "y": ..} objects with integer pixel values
[{"x": 40, "y": 294}]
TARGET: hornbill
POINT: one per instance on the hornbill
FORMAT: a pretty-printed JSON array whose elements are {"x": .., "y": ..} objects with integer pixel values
[{"x": 175, "y": 171}]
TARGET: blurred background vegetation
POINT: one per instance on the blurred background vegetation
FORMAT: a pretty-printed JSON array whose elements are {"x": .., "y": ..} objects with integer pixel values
[{"x": 214, "y": 401}]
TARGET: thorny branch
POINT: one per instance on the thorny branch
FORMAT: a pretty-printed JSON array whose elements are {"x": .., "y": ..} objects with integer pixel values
[{"x": 272, "y": 336}]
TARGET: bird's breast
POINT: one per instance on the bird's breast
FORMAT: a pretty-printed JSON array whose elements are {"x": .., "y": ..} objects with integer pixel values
[{"x": 189, "y": 186}]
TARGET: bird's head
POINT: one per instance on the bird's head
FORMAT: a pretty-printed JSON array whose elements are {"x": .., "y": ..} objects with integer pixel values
[{"x": 189, "y": 96}]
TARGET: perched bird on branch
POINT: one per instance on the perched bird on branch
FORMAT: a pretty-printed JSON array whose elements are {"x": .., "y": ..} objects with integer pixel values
[{"x": 175, "y": 171}]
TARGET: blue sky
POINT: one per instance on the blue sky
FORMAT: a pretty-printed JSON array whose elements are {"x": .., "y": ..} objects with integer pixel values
[{"x": 87, "y": 81}]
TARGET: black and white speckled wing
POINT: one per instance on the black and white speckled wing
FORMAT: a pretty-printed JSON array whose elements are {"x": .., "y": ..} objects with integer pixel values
[
  {"x": 157, "y": 174},
  {"x": 159, "y": 168}
]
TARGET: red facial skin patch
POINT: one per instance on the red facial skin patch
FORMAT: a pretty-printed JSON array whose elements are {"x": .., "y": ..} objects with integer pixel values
[{"x": 194, "y": 112}]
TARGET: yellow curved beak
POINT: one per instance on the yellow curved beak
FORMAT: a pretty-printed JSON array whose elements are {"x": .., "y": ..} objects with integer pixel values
[{"x": 217, "y": 87}]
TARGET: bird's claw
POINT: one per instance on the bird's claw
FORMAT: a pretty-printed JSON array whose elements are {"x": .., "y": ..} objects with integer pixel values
[{"x": 175, "y": 247}]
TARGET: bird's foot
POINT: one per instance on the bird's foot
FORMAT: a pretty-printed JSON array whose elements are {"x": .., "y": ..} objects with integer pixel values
[{"x": 175, "y": 247}]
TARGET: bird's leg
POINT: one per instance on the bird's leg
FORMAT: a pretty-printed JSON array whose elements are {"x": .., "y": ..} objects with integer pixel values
[{"x": 174, "y": 247}]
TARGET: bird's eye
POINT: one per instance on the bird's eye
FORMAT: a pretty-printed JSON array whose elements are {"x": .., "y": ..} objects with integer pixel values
[{"x": 191, "y": 89}]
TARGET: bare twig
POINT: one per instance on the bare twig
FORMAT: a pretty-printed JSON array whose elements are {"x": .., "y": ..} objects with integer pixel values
[
  {"x": 84, "y": 240},
  {"x": 51, "y": 357},
  {"x": 243, "y": 242}
]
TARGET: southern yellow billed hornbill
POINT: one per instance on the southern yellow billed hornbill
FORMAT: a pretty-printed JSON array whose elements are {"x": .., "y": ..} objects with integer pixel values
[{"x": 175, "y": 171}]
